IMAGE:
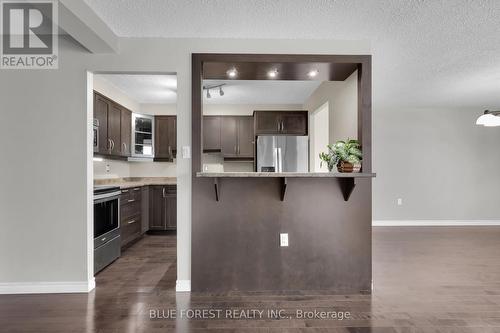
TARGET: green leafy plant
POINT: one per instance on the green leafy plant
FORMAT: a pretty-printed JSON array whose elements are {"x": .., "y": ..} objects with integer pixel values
[{"x": 342, "y": 151}]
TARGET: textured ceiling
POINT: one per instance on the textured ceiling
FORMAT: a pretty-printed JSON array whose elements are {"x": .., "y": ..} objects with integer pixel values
[
  {"x": 260, "y": 92},
  {"x": 425, "y": 53},
  {"x": 145, "y": 89}
]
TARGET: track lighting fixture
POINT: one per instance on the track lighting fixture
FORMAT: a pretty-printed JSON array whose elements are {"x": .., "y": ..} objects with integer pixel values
[
  {"x": 313, "y": 73},
  {"x": 216, "y": 86},
  {"x": 272, "y": 73}
]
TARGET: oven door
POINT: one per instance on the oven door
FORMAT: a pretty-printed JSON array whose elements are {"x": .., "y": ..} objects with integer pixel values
[{"x": 106, "y": 218}]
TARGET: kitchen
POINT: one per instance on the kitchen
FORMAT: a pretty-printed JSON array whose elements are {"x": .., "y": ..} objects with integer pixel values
[{"x": 134, "y": 162}]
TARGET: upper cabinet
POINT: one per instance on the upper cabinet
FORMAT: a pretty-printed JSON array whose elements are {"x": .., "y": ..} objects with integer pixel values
[
  {"x": 212, "y": 133},
  {"x": 281, "y": 122},
  {"x": 165, "y": 138},
  {"x": 114, "y": 127},
  {"x": 237, "y": 137}
]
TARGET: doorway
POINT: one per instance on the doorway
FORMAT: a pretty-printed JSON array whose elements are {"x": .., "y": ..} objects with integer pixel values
[
  {"x": 319, "y": 137},
  {"x": 132, "y": 148}
]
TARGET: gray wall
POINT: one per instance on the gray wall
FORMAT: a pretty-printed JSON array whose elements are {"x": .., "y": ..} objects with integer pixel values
[
  {"x": 438, "y": 161},
  {"x": 45, "y": 175}
]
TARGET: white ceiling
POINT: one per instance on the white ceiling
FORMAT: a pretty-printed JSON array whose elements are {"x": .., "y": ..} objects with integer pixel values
[
  {"x": 425, "y": 53},
  {"x": 260, "y": 92},
  {"x": 145, "y": 89}
]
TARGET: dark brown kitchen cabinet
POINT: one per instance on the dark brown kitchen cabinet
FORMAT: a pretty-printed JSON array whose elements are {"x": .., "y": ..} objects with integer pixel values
[
  {"x": 281, "y": 122},
  {"x": 237, "y": 137},
  {"x": 130, "y": 215},
  {"x": 101, "y": 108},
  {"x": 211, "y": 134},
  {"x": 163, "y": 207},
  {"x": 114, "y": 126},
  {"x": 125, "y": 132},
  {"x": 165, "y": 138}
]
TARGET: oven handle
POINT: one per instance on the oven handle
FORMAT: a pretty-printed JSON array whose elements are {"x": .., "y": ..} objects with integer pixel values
[{"x": 107, "y": 195}]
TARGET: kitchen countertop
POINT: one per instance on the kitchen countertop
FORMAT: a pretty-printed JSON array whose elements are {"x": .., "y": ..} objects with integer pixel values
[
  {"x": 136, "y": 181},
  {"x": 286, "y": 174}
]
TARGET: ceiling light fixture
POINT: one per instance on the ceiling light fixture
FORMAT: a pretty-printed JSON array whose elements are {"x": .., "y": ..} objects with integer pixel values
[
  {"x": 272, "y": 73},
  {"x": 221, "y": 92},
  {"x": 313, "y": 73},
  {"x": 489, "y": 119},
  {"x": 232, "y": 73}
]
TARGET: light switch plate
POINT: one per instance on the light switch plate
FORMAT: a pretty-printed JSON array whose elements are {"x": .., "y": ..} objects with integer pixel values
[
  {"x": 186, "y": 152},
  {"x": 283, "y": 239},
  {"x": 400, "y": 201}
]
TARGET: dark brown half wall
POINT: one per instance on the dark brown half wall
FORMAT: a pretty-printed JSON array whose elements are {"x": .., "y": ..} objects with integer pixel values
[{"x": 235, "y": 241}]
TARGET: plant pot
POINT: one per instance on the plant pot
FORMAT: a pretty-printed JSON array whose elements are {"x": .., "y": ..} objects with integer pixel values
[{"x": 345, "y": 167}]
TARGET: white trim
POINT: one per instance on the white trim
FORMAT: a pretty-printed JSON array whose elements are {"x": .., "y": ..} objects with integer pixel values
[
  {"x": 47, "y": 287},
  {"x": 433, "y": 223},
  {"x": 183, "y": 285}
]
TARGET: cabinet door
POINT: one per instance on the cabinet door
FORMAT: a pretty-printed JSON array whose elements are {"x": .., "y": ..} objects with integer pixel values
[
  {"x": 157, "y": 214},
  {"x": 211, "y": 133},
  {"x": 165, "y": 138},
  {"x": 126, "y": 132},
  {"x": 267, "y": 122},
  {"x": 294, "y": 123},
  {"x": 114, "y": 128},
  {"x": 101, "y": 108},
  {"x": 229, "y": 136},
  {"x": 145, "y": 209},
  {"x": 171, "y": 209},
  {"x": 245, "y": 137}
]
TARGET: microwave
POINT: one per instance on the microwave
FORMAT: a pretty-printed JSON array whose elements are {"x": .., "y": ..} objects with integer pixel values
[{"x": 96, "y": 135}]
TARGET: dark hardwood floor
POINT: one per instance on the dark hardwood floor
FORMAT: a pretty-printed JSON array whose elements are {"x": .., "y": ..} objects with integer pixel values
[{"x": 426, "y": 280}]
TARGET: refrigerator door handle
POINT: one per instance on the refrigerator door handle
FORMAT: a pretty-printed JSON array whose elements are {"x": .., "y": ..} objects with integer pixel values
[{"x": 280, "y": 169}]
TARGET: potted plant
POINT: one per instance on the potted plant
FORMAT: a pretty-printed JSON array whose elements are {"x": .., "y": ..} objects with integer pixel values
[{"x": 345, "y": 155}]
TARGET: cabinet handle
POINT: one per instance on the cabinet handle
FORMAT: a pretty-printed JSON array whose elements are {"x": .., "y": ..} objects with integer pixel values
[
  {"x": 163, "y": 192},
  {"x": 131, "y": 221},
  {"x": 279, "y": 125},
  {"x": 112, "y": 144},
  {"x": 103, "y": 239},
  {"x": 282, "y": 126},
  {"x": 124, "y": 147},
  {"x": 170, "y": 152},
  {"x": 124, "y": 191},
  {"x": 238, "y": 149},
  {"x": 137, "y": 189},
  {"x": 131, "y": 200},
  {"x": 109, "y": 145}
]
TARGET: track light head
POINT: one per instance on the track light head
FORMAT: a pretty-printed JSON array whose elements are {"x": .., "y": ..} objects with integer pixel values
[
  {"x": 208, "y": 94},
  {"x": 221, "y": 92}
]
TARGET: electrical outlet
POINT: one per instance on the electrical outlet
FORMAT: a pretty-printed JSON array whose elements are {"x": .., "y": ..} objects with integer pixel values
[
  {"x": 283, "y": 239},
  {"x": 400, "y": 201}
]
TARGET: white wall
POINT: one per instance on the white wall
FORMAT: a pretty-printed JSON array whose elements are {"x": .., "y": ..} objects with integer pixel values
[
  {"x": 342, "y": 98},
  {"x": 318, "y": 137},
  {"x": 438, "y": 161},
  {"x": 109, "y": 90},
  {"x": 46, "y": 113}
]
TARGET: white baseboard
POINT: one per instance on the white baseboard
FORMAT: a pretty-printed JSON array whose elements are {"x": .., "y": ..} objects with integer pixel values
[
  {"x": 183, "y": 285},
  {"x": 434, "y": 223},
  {"x": 47, "y": 287}
]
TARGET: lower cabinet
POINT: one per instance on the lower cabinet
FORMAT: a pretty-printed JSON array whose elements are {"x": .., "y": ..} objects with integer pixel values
[
  {"x": 130, "y": 214},
  {"x": 163, "y": 207}
]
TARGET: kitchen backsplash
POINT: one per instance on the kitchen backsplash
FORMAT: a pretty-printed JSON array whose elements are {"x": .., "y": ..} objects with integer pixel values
[{"x": 123, "y": 169}]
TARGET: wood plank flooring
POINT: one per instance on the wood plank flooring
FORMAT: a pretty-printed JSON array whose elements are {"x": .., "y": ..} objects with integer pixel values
[{"x": 437, "y": 279}]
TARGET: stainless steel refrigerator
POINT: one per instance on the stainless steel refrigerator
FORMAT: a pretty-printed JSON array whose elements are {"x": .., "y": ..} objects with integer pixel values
[{"x": 283, "y": 153}]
